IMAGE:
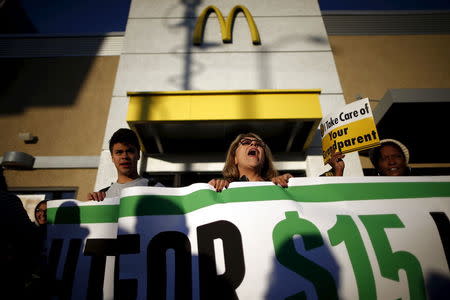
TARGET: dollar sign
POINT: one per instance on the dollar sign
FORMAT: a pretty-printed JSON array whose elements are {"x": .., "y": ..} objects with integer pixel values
[{"x": 288, "y": 256}]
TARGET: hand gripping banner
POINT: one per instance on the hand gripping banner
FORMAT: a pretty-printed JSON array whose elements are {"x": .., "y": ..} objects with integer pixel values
[{"x": 320, "y": 238}]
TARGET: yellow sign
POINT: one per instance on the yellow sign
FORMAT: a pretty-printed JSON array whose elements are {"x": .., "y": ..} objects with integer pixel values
[
  {"x": 351, "y": 129},
  {"x": 226, "y": 26}
]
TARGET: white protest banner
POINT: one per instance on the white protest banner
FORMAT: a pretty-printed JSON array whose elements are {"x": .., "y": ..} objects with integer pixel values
[
  {"x": 81, "y": 239},
  {"x": 320, "y": 238},
  {"x": 348, "y": 130}
]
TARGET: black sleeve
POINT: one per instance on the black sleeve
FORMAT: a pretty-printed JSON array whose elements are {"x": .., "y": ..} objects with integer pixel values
[{"x": 105, "y": 189}]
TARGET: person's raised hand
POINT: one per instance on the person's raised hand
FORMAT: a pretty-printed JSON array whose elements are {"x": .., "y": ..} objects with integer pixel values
[
  {"x": 96, "y": 196},
  {"x": 282, "y": 180},
  {"x": 219, "y": 184},
  {"x": 337, "y": 164}
]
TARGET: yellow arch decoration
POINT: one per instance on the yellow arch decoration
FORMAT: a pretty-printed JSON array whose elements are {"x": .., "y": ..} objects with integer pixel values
[{"x": 226, "y": 26}]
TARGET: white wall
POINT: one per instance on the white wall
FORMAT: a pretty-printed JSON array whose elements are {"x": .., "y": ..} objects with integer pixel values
[{"x": 158, "y": 55}]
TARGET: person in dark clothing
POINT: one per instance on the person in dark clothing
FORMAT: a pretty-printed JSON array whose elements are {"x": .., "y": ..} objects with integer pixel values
[
  {"x": 391, "y": 158},
  {"x": 21, "y": 250},
  {"x": 39, "y": 272},
  {"x": 40, "y": 213}
]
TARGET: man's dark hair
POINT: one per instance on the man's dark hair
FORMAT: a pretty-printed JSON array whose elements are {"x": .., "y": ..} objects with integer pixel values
[{"x": 125, "y": 136}]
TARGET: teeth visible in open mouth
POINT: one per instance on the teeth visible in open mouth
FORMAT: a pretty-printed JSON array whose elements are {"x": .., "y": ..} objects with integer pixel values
[{"x": 252, "y": 152}]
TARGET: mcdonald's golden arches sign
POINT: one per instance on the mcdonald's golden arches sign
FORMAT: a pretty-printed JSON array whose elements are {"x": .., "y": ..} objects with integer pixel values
[{"x": 226, "y": 25}]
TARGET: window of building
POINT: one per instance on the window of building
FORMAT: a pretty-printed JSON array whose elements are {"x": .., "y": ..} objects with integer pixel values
[{"x": 30, "y": 197}]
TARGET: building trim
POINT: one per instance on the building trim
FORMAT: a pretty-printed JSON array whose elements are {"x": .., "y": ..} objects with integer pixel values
[
  {"x": 386, "y": 22},
  {"x": 383, "y": 12},
  {"x": 196, "y": 163},
  {"x": 337, "y": 22},
  {"x": 65, "y": 162},
  {"x": 15, "y": 46}
]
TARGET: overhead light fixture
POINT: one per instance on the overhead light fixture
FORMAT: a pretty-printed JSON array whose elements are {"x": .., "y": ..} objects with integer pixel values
[{"x": 17, "y": 160}]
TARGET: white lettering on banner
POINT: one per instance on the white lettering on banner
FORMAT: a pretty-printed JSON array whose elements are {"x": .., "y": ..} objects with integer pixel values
[{"x": 313, "y": 248}]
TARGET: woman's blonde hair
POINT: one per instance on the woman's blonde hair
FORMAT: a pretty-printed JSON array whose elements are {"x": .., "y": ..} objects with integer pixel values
[{"x": 230, "y": 170}]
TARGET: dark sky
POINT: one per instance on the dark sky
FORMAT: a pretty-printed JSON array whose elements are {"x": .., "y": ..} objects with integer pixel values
[
  {"x": 100, "y": 16},
  {"x": 74, "y": 16},
  {"x": 63, "y": 16}
]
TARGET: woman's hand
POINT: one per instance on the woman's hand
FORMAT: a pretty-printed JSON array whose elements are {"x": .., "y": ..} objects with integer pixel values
[
  {"x": 219, "y": 184},
  {"x": 282, "y": 180},
  {"x": 96, "y": 196},
  {"x": 337, "y": 164}
]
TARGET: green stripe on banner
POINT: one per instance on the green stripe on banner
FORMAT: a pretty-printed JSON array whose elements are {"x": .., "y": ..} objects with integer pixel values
[
  {"x": 146, "y": 205},
  {"x": 174, "y": 205},
  {"x": 370, "y": 191},
  {"x": 83, "y": 214},
  {"x": 167, "y": 205}
]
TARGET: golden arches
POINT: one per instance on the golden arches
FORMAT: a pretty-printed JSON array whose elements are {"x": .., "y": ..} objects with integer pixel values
[{"x": 226, "y": 26}]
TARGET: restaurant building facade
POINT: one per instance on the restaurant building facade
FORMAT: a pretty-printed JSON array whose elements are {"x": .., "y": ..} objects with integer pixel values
[{"x": 189, "y": 76}]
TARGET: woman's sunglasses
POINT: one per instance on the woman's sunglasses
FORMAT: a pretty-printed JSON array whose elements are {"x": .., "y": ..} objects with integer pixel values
[{"x": 247, "y": 141}]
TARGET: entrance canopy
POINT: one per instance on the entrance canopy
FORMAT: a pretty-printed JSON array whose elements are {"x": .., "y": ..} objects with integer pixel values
[
  {"x": 419, "y": 119},
  {"x": 207, "y": 121}
]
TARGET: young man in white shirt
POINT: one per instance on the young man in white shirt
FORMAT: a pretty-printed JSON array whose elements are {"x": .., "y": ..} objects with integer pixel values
[{"x": 125, "y": 154}]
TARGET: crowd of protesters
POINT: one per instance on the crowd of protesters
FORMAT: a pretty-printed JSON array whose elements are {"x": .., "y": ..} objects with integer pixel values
[{"x": 248, "y": 158}]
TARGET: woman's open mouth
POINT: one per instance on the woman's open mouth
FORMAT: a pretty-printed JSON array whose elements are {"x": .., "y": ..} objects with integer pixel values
[{"x": 252, "y": 152}]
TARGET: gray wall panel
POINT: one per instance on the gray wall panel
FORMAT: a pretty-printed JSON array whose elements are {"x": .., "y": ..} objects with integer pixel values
[
  {"x": 116, "y": 118},
  {"x": 277, "y": 34},
  {"x": 219, "y": 71}
]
